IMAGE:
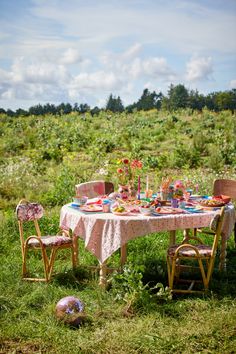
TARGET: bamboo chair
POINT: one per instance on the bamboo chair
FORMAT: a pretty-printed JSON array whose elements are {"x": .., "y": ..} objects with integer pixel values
[
  {"x": 203, "y": 255},
  {"x": 93, "y": 189},
  {"x": 226, "y": 187},
  {"x": 30, "y": 212}
]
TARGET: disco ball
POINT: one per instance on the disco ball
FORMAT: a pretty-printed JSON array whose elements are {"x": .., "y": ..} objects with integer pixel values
[{"x": 70, "y": 310}]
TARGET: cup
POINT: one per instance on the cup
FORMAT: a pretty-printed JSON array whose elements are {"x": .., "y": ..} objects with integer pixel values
[{"x": 174, "y": 203}]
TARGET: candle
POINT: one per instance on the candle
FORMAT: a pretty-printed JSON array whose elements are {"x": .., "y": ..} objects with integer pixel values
[
  {"x": 138, "y": 187},
  {"x": 147, "y": 186}
]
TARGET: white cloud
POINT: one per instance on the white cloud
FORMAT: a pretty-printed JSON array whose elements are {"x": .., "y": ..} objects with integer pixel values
[
  {"x": 232, "y": 84},
  {"x": 70, "y": 50},
  {"x": 199, "y": 69},
  {"x": 70, "y": 56}
]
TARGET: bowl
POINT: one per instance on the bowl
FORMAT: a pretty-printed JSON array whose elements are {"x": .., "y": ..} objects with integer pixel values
[
  {"x": 145, "y": 210},
  {"x": 225, "y": 198},
  {"x": 80, "y": 200}
]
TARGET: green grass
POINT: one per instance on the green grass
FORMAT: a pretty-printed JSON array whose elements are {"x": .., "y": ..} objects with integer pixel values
[
  {"x": 50, "y": 156},
  {"x": 185, "y": 324}
]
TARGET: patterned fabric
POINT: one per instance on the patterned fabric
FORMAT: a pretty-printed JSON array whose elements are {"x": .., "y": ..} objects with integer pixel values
[
  {"x": 214, "y": 222},
  {"x": 50, "y": 241},
  {"x": 204, "y": 250},
  {"x": 104, "y": 233},
  {"x": 29, "y": 211},
  {"x": 90, "y": 189}
]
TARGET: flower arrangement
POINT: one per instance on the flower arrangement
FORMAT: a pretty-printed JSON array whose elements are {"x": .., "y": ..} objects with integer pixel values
[
  {"x": 127, "y": 171},
  {"x": 178, "y": 189}
]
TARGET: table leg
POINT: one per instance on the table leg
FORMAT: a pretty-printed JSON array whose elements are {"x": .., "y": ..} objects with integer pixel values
[
  {"x": 103, "y": 274},
  {"x": 186, "y": 235},
  {"x": 172, "y": 237},
  {"x": 123, "y": 255},
  {"x": 223, "y": 254}
]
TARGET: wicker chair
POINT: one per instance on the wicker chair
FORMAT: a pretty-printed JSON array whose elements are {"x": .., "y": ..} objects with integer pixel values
[
  {"x": 94, "y": 188},
  {"x": 30, "y": 213},
  {"x": 226, "y": 187},
  {"x": 201, "y": 254}
]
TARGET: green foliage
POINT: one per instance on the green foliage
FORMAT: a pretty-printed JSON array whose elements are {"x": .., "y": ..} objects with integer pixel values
[
  {"x": 53, "y": 153},
  {"x": 129, "y": 288}
]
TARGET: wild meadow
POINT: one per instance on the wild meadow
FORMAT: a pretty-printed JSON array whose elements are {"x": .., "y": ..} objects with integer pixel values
[{"x": 41, "y": 159}]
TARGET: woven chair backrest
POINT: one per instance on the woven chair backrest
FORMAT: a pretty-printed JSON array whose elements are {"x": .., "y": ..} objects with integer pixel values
[
  {"x": 226, "y": 187},
  {"x": 29, "y": 211},
  {"x": 94, "y": 188}
]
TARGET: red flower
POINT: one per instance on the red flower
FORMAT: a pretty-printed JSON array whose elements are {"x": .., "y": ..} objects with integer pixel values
[
  {"x": 136, "y": 164},
  {"x": 119, "y": 170},
  {"x": 125, "y": 161}
]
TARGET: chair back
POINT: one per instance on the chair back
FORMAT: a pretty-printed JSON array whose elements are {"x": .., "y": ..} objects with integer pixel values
[
  {"x": 226, "y": 187},
  {"x": 94, "y": 188},
  {"x": 26, "y": 212}
]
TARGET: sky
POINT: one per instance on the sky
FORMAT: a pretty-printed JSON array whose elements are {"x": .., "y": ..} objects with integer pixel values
[{"x": 54, "y": 51}]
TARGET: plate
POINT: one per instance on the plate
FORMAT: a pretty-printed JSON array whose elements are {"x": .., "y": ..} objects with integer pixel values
[
  {"x": 193, "y": 210},
  {"x": 121, "y": 214},
  {"x": 91, "y": 208},
  {"x": 211, "y": 203},
  {"x": 167, "y": 211}
]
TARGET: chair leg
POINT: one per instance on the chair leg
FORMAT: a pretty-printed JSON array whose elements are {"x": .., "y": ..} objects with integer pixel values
[
  {"x": 75, "y": 251},
  {"x": 73, "y": 256},
  {"x": 51, "y": 262},
  {"x": 204, "y": 278},
  {"x": 172, "y": 273},
  {"x": 24, "y": 254}
]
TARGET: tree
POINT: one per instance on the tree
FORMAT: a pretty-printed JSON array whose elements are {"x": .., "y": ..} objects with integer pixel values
[
  {"x": 178, "y": 97},
  {"x": 114, "y": 104},
  {"x": 149, "y": 100}
]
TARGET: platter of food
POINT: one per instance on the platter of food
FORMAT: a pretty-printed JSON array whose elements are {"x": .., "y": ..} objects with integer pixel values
[
  {"x": 120, "y": 210},
  {"x": 91, "y": 208},
  {"x": 167, "y": 211},
  {"x": 211, "y": 203}
]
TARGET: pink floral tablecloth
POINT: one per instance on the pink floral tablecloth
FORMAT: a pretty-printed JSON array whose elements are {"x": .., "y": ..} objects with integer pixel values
[{"x": 105, "y": 233}]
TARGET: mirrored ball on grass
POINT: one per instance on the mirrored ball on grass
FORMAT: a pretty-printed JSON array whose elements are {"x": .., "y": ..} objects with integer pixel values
[{"x": 70, "y": 310}]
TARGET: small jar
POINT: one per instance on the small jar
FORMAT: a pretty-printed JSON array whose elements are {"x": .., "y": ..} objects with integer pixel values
[
  {"x": 174, "y": 203},
  {"x": 106, "y": 206}
]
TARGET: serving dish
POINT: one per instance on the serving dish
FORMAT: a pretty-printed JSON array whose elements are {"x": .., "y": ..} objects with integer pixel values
[
  {"x": 91, "y": 208},
  {"x": 211, "y": 203},
  {"x": 167, "y": 210}
]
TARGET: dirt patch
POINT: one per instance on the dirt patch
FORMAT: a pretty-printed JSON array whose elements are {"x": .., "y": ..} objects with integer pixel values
[{"x": 14, "y": 347}]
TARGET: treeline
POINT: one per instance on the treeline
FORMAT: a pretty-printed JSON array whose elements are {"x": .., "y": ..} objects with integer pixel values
[{"x": 177, "y": 97}]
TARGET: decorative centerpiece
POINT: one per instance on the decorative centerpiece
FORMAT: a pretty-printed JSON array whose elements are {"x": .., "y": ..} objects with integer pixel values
[
  {"x": 178, "y": 190},
  {"x": 127, "y": 177}
]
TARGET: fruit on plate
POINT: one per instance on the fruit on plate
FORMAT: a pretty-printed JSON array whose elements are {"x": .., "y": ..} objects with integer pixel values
[
  {"x": 168, "y": 210},
  {"x": 119, "y": 209},
  {"x": 225, "y": 198},
  {"x": 212, "y": 202}
]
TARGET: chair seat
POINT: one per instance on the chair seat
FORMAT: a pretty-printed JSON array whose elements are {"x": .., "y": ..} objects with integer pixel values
[
  {"x": 50, "y": 241},
  {"x": 204, "y": 251}
]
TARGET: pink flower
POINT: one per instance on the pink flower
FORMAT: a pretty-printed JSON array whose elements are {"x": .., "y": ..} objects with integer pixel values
[{"x": 178, "y": 185}]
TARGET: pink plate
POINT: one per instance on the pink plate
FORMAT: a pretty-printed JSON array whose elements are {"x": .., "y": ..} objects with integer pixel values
[{"x": 91, "y": 208}]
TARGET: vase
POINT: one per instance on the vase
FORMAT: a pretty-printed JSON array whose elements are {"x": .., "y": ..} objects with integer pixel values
[
  {"x": 124, "y": 191},
  {"x": 127, "y": 191}
]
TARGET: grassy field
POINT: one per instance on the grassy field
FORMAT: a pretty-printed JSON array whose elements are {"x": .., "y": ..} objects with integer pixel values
[{"x": 50, "y": 156}]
